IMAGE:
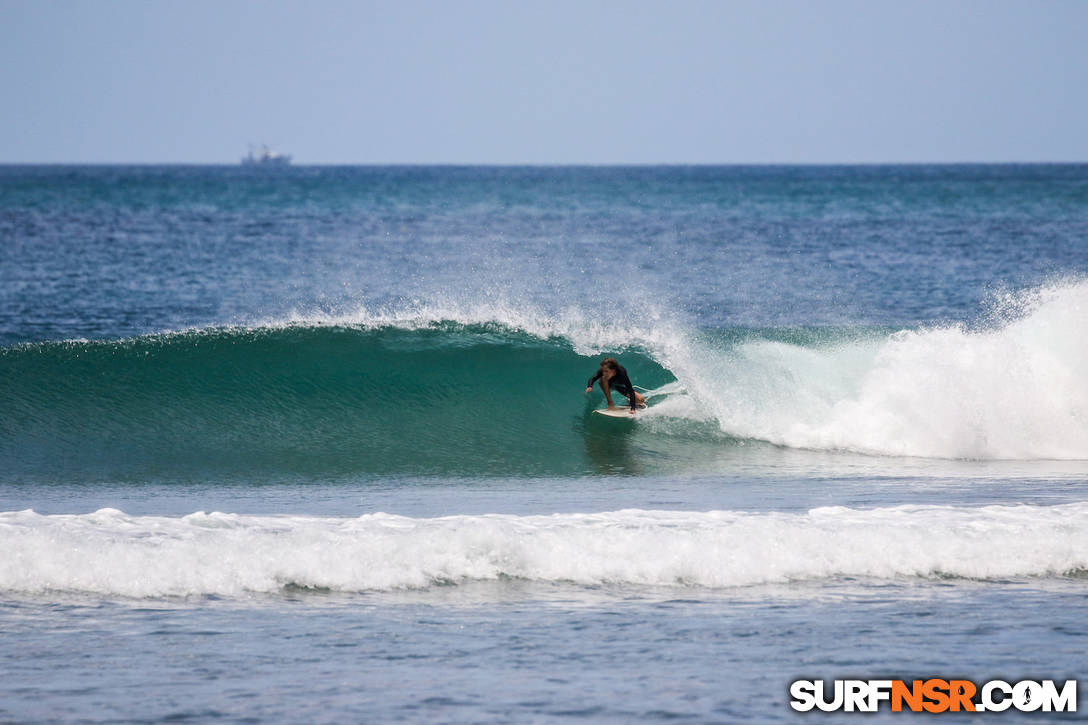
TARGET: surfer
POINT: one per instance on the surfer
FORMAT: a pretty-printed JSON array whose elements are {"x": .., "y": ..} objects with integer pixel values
[{"x": 613, "y": 376}]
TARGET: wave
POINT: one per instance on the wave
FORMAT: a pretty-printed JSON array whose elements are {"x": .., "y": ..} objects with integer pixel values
[
  {"x": 111, "y": 553},
  {"x": 498, "y": 392}
]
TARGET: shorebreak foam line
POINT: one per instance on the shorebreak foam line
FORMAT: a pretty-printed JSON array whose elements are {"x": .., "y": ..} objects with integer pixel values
[{"x": 111, "y": 553}]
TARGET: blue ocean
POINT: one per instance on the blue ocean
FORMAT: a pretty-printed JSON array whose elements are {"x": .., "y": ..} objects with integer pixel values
[{"x": 313, "y": 443}]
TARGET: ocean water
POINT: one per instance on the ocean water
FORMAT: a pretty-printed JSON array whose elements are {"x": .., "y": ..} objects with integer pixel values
[{"x": 314, "y": 444}]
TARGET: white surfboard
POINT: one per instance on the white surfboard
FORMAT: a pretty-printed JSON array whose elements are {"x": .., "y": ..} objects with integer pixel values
[{"x": 623, "y": 412}]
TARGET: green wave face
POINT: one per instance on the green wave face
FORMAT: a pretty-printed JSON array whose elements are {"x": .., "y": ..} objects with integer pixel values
[{"x": 447, "y": 400}]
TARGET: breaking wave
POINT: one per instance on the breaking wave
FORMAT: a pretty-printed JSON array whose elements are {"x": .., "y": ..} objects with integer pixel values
[{"x": 493, "y": 393}]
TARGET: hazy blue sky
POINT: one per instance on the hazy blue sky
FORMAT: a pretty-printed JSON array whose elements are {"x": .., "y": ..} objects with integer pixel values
[{"x": 558, "y": 81}]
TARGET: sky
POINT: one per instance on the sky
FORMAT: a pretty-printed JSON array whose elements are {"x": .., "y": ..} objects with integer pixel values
[{"x": 544, "y": 81}]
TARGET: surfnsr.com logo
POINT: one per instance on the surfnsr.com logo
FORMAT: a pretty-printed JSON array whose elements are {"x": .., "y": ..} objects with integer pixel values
[{"x": 933, "y": 695}]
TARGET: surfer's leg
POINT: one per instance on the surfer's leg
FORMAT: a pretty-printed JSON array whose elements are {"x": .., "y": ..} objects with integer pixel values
[
  {"x": 606, "y": 389},
  {"x": 628, "y": 393}
]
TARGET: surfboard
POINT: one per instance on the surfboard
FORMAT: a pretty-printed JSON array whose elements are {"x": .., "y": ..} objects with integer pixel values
[{"x": 622, "y": 412}]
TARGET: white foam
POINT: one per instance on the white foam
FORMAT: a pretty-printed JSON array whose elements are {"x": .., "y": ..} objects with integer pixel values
[
  {"x": 1018, "y": 390},
  {"x": 111, "y": 553}
]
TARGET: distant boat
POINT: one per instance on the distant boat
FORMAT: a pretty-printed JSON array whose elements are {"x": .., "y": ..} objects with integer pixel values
[{"x": 265, "y": 157}]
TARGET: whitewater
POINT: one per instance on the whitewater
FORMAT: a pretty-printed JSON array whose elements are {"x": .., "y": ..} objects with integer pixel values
[
  {"x": 1012, "y": 389},
  {"x": 111, "y": 554}
]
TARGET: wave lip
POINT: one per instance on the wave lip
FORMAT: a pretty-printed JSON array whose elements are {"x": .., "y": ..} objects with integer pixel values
[{"x": 110, "y": 553}]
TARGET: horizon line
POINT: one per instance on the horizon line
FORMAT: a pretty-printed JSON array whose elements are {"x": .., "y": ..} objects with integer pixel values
[{"x": 575, "y": 164}]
